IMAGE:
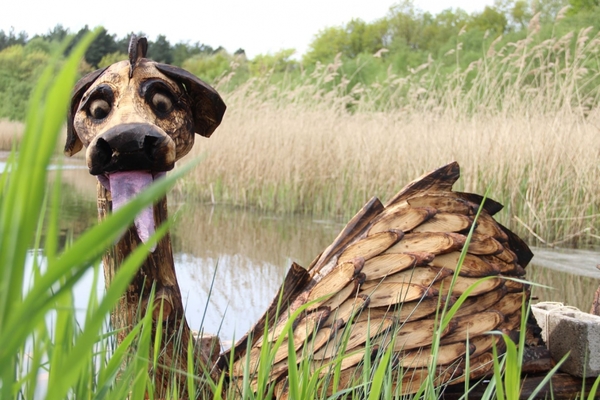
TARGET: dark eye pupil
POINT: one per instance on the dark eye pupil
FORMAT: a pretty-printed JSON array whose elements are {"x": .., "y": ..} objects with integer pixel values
[
  {"x": 162, "y": 103},
  {"x": 99, "y": 109}
]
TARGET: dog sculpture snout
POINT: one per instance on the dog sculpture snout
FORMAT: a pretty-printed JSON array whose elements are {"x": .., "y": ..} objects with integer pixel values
[{"x": 128, "y": 147}]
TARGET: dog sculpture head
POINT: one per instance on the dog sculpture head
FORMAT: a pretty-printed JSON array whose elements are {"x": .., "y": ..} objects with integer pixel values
[
  {"x": 137, "y": 118},
  {"x": 139, "y": 114}
]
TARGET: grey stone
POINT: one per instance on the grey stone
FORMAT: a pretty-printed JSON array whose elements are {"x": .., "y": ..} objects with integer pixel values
[{"x": 567, "y": 329}]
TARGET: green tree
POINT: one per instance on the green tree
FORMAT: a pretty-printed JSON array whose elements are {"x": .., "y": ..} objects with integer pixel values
[
  {"x": 112, "y": 58},
  {"x": 548, "y": 9},
  {"x": 437, "y": 30},
  {"x": 160, "y": 50},
  {"x": 521, "y": 14},
  {"x": 355, "y": 38},
  {"x": 11, "y": 38},
  {"x": 278, "y": 62},
  {"x": 209, "y": 67},
  {"x": 123, "y": 43},
  {"x": 404, "y": 25},
  {"x": 366, "y": 38},
  {"x": 518, "y": 13},
  {"x": 413, "y": 31},
  {"x": 326, "y": 45},
  {"x": 103, "y": 44},
  {"x": 451, "y": 21},
  {"x": 19, "y": 71},
  {"x": 183, "y": 51},
  {"x": 489, "y": 20},
  {"x": 56, "y": 34},
  {"x": 582, "y": 5},
  {"x": 39, "y": 44}
]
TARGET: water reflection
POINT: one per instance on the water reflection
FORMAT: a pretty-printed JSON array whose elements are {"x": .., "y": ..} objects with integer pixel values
[
  {"x": 573, "y": 261},
  {"x": 61, "y": 163},
  {"x": 245, "y": 254},
  {"x": 242, "y": 290}
]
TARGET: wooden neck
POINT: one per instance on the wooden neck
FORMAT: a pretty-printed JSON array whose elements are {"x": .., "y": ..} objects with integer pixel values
[{"x": 159, "y": 270}]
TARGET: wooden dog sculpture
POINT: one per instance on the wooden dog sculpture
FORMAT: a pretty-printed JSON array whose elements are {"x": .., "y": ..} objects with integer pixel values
[{"x": 381, "y": 283}]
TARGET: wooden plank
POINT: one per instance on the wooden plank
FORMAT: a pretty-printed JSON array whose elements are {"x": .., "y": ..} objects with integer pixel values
[{"x": 350, "y": 232}]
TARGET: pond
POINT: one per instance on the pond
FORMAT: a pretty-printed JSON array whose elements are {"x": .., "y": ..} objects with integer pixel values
[{"x": 246, "y": 254}]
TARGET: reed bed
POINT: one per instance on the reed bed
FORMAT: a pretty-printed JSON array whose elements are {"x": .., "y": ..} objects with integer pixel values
[
  {"x": 521, "y": 120},
  {"x": 11, "y": 134},
  {"x": 10, "y": 131}
]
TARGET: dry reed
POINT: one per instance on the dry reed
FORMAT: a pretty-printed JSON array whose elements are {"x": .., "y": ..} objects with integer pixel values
[
  {"x": 10, "y": 131},
  {"x": 521, "y": 120}
]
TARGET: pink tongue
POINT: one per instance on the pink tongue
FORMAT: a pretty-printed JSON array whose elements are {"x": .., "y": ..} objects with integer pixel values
[{"x": 123, "y": 187}]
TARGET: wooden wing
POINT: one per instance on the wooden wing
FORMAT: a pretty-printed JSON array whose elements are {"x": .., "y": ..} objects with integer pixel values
[{"x": 382, "y": 282}]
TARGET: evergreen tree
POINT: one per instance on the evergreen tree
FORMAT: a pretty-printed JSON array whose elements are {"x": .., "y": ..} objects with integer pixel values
[
  {"x": 161, "y": 50},
  {"x": 11, "y": 38}
]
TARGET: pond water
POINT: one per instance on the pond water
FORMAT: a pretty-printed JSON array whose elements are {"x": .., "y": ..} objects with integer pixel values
[{"x": 244, "y": 255}]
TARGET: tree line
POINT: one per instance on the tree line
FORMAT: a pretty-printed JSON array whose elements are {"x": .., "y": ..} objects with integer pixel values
[
  {"x": 108, "y": 46},
  {"x": 400, "y": 41}
]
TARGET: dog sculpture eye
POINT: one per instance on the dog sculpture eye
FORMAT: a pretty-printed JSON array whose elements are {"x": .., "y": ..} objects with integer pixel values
[
  {"x": 99, "y": 102},
  {"x": 162, "y": 103},
  {"x": 99, "y": 109}
]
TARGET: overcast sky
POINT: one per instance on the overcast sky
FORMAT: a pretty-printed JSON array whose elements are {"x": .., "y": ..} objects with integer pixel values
[{"x": 257, "y": 26}]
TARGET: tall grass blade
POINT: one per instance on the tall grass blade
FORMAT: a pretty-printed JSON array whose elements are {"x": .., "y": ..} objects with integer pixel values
[
  {"x": 379, "y": 375},
  {"x": 594, "y": 389},
  {"x": 293, "y": 373}
]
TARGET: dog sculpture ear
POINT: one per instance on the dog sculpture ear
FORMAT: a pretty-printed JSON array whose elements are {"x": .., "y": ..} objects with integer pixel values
[
  {"x": 74, "y": 144},
  {"x": 207, "y": 106}
]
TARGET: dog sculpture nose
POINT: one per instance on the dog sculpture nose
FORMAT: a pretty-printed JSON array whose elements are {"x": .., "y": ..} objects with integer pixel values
[{"x": 131, "y": 147}]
